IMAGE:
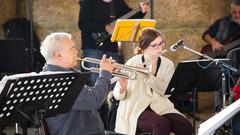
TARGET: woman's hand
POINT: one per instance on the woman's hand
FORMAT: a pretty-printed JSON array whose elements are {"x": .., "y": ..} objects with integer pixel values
[{"x": 123, "y": 84}]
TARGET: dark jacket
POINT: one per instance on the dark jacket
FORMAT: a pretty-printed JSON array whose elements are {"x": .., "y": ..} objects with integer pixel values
[
  {"x": 228, "y": 30},
  {"x": 83, "y": 118}
]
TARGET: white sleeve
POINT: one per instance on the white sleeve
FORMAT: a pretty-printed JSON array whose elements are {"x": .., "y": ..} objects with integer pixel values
[{"x": 116, "y": 92}]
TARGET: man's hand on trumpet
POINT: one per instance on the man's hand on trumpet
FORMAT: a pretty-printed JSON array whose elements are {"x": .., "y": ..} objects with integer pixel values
[
  {"x": 110, "y": 65},
  {"x": 107, "y": 64}
]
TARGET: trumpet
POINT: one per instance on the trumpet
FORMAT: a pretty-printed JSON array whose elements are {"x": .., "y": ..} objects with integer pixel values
[{"x": 124, "y": 71}]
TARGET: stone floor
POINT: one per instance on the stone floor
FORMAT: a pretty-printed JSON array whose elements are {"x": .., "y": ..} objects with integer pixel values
[{"x": 205, "y": 111}]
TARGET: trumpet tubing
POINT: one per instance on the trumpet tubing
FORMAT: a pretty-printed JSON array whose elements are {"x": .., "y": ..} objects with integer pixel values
[{"x": 124, "y": 71}]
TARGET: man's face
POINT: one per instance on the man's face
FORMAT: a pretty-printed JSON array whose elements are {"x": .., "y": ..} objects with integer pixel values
[
  {"x": 68, "y": 54},
  {"x": 235, "y": 12}
]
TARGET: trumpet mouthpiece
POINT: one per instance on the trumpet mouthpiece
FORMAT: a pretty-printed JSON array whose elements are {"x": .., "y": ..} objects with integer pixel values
[{"x": 80, "y": 59}]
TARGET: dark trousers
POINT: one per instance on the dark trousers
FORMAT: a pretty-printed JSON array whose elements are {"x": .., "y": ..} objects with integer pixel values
[{"x": 164, "y": 124}]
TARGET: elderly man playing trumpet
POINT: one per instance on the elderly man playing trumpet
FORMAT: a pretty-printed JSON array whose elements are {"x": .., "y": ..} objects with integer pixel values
[{"x": 82, "y": 119}]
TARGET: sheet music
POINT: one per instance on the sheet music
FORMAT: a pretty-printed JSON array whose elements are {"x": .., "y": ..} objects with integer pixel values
[{"x": 209, "y": 126}]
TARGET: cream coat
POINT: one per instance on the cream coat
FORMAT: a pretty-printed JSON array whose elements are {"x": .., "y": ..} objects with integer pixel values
[{"x": 139, "y": 96}]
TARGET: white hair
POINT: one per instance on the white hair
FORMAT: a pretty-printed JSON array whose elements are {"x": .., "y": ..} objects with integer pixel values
[{"x": 52, "y": 43}]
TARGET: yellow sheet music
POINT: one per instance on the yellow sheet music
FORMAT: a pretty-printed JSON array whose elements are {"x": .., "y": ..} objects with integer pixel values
[{"x": 128, "y": 29}]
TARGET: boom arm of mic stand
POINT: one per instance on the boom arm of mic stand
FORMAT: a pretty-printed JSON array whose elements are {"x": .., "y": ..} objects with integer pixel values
[
  {"x": 210, "y": 58},
  {"x": 198, "y": 53}
]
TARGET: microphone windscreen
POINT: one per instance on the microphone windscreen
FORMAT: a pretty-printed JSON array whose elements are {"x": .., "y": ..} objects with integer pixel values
[{"x": 173, "y": 48}]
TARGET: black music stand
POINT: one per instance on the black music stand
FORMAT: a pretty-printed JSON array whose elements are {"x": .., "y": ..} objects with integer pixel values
[
  {"x": 193, "y": 76},
  {"x": 33, "y": 98}
]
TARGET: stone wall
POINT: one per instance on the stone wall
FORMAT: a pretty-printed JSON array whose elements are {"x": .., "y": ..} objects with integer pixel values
[
  {"x": 177, "y": 19},
  {"x": 48, "y": 16},
  {"x": 8, "y": 8}
]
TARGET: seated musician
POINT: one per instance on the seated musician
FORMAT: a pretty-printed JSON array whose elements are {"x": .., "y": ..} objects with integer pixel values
[
  {"x": 219, "y": 35},
  {"x": 143, "y": 105},
  {"x": 82, "y": 119}
]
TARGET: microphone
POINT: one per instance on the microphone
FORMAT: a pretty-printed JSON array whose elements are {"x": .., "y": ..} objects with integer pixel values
[{"x": 174, "y": 47}]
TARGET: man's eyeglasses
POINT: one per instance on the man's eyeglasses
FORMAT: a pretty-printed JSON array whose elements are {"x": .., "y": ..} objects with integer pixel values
[{"x": 162, "y": 43}]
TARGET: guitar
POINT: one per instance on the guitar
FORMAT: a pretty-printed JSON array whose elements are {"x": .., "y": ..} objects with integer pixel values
[
  {"x": 228, "y": 45},
  {"x": 100, "y": 37}
]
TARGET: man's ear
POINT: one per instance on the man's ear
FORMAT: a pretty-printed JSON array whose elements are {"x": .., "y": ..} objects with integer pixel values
[{"x": 57, "y": 55}]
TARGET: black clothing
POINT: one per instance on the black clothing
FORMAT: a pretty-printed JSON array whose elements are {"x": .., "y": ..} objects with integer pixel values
[
  {"x": 230, "y": 30},
  {"x": 233, "y": 29},
  {"x": 93, "y": 16}
]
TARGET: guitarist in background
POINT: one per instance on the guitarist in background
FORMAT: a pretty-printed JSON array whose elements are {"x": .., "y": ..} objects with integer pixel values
[
  {"x": 222, "y": 30},
  {"x": 95, "y": 16}
]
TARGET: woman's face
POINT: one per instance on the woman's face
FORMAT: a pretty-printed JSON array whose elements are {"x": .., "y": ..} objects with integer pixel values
[{"x": 155, "y": 47}]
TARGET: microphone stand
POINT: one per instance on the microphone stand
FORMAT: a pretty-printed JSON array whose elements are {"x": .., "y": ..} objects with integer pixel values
[
  {"x": 152, "y": 9},
  {"x": 223, "y": 77},
  {"x": 223, "y": 66},
  {"x": 227, "y": 66},
  {"x": 31, "y": 34}
]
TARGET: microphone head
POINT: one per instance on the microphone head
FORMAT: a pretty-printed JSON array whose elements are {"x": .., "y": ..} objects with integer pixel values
[
  {"x": 179, "y": 42},
  {"x": 173, "y": 48}
]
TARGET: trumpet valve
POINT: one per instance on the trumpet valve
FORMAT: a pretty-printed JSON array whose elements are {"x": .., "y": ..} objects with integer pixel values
[{"x": 126, "y": 74}]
